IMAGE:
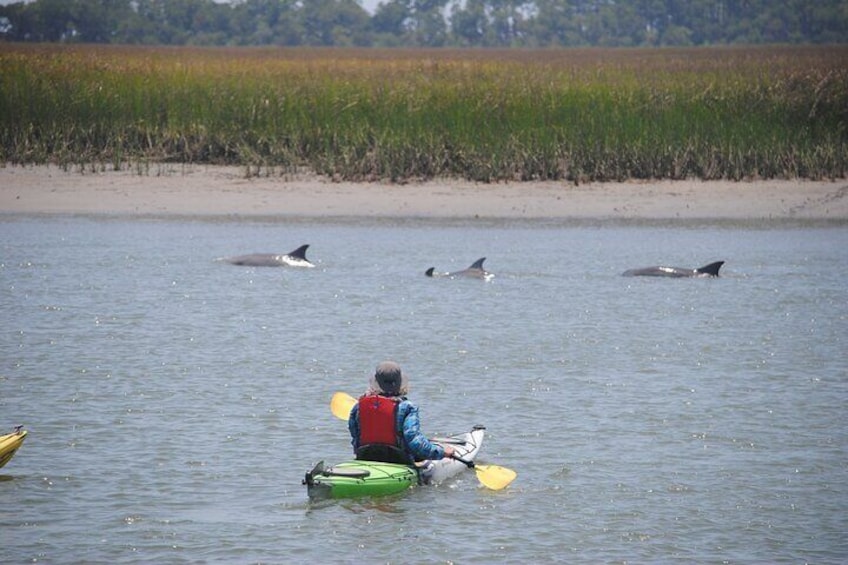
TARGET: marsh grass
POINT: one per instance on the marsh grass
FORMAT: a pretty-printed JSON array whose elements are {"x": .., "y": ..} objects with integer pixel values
[{"x": 580, "y": 115}]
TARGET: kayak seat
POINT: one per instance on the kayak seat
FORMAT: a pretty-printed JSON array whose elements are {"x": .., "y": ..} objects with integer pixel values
[{"x": 383, "y": 453}]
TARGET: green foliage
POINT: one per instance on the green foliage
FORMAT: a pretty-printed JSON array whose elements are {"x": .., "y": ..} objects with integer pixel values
[
  {"x": 577, "y": 115},
  {"x": 428, "y": 23}
]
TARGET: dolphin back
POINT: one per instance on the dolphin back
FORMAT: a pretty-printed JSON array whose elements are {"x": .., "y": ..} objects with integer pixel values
[
  {"x": 710, "y": 270},
  {"x": 253, "y": 260},
  {"x": 296, "y": 258},
  {"x": 475, "y": 271}
]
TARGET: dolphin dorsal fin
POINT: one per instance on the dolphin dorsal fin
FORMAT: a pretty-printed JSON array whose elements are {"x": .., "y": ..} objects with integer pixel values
[
  {"x": 300, "y": 252},
  {"x": 429, "y": 272},
  {"x": 711, "y": 269},
  {"x": 478, "y": 264}
]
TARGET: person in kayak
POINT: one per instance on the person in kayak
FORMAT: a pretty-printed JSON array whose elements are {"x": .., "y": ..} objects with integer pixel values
[{"x": 384, "y": 424}]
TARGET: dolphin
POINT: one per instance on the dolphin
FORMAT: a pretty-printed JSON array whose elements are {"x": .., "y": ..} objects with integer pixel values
[
  {"x": 710, "y": 270},
  {"x": 475, "y": 271},
  {"x": 296, "y": 258}
]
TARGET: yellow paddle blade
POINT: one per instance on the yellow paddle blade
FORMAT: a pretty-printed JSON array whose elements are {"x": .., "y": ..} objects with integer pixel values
[
  {"x": 341, "y": 405},
  {"x": 495, "y": 477}
]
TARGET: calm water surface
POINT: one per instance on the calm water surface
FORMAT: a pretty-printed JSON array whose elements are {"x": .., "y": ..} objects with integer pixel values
[{"x": 174, "y": 402}]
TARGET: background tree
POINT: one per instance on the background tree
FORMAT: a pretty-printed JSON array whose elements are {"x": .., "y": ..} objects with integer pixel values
[
  {"x": 389, "y": 22},
  {"x": 469, "y": 23},
  {"x": 343, "y": 23},
  {"x": 416, "y": 23}
]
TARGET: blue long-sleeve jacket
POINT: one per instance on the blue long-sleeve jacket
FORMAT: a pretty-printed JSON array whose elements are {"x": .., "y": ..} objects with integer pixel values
[{"x": 416, "y": 444}]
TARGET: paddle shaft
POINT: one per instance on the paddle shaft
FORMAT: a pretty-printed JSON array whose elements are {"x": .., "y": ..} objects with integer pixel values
[{"x": 469, "y": 464}]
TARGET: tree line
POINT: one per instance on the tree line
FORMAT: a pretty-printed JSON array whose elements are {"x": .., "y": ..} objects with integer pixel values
[{"x": 428, "y": 23}]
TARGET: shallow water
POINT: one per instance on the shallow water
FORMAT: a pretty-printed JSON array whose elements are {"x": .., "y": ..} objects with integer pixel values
[{"x": 174, "y": 402}]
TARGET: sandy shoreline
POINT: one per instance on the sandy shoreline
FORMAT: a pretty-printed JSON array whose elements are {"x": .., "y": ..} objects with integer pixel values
[{"x": 225, "y": 191}]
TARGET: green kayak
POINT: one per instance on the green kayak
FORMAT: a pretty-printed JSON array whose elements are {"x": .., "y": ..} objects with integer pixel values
[{"x": 357, "y": 478}]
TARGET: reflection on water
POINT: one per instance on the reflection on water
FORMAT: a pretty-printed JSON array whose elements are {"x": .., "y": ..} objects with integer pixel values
[{"x": 174, "y": 403}]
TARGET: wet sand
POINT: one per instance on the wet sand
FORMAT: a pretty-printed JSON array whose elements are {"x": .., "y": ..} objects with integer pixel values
[{"x": 227, "y": 191}]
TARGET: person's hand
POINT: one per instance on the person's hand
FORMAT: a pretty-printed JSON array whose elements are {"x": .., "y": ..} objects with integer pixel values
[{"x": 449, "y": 451}]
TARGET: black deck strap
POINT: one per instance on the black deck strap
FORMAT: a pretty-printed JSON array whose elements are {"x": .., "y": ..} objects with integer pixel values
[
  {"x": 450, "y": 440},
  {"x": 342, "y": 472}
]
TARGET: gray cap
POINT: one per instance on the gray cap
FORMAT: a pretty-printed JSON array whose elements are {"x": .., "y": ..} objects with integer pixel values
[{"x": 389, "y": 379}]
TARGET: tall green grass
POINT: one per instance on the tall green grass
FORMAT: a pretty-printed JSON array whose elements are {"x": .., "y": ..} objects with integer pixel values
[{"x": 581, "y": 115}]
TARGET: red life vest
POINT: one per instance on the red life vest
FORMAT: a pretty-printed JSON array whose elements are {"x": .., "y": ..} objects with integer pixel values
[{"x": 378, "y": 421}]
